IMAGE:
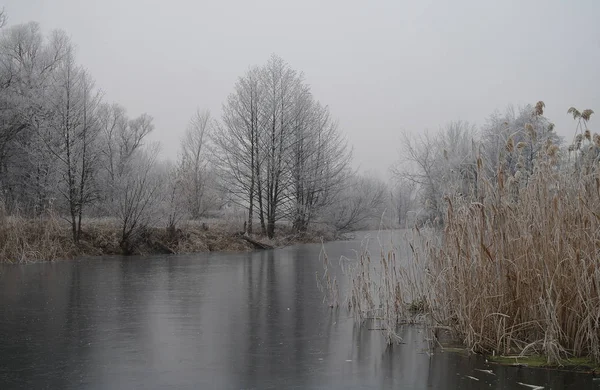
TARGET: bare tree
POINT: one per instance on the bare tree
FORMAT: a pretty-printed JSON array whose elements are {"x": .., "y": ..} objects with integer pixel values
[
  {"x": 403, "y": 201},
  {"x": 277, "y": 149},
  {"x": 70, "y": 137},
  {"x": 237, "y": 155},
  {"x": 193, "y": 163},
  {"x": 361, "y": 203},
  {"x": 439, "y": 165},
  {"x": 112, "y": 120},
  {"x": 27, "y": 66},
  {"x": 3, "y": 18},
  {"x": 133, "y": 188},
  {"x": 121, "y": 138},
  {"x": 319, "y": 162},
  {"x": 284, "y": 91},
  {"x": 175, "y": 202},
  {"x": 137, "y": 196},
  {"x": 419, "y": 164},
  {"x": 525, "y": 127}
]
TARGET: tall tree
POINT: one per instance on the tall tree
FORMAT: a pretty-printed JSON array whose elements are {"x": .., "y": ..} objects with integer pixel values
[
  {"x": 237, "y": 154},
  {"x": 193, "y": 163},
  {"x": 28, "y": 63},
  {"x": 319, "y": 161},
  {"x": 120, "y": 139},
  {"x": 284, "y": 91},
  {"x": 278, "y": 150},
  {"x": 70, "y": 137},
  {"x": 138, "y": 193}
]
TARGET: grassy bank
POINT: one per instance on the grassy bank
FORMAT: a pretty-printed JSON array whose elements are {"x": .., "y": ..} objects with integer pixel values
[{"x": 49, "y": 238}]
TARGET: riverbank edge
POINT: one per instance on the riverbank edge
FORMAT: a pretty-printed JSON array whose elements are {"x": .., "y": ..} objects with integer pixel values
[
  {"x": 26, "y": 241},
  {"x": 582, "y": 364},
  {"x": 573, "y": 364}
]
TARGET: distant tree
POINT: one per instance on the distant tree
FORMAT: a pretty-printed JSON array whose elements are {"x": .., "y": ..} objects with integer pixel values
[
  {"x": 319, "y": 161},
  {"x": 512, "y": 140},
  {"x": 133, "y": 184},
  {"x": 138, "y": 191},
  {"x": 360, "y": 204},
  {"x": 193, "y": 169},
  {"x": 403, "y": 200},
  {"x": 120, "y": 139},
  {"x": 439, "y": 165},
  {"x": 112, "y": 120}
]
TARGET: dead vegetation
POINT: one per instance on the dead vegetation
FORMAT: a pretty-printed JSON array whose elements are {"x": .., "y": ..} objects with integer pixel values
[
  {"x": 516, "y": 269},
  {"x": 42, "y": 238},
  {"x": 48, "y": 238},
  {"x": 387, "y": 288}
]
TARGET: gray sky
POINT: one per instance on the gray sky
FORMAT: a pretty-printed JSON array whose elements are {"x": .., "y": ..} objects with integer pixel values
[{"x": 381, "y": 66}]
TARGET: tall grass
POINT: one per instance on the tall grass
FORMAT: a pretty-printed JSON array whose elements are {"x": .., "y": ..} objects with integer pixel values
[
  {"x": 33, "y": 239},
  {"x": 516, "y": 269},
  {"x": 387, "y": 286}
]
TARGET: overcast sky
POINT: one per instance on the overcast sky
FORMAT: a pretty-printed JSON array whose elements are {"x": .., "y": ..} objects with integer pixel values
[{"x": 381, "y": 66}]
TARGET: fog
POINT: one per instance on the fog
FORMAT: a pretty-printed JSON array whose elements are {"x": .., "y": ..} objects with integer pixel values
[{"x": 381, "y": 68}]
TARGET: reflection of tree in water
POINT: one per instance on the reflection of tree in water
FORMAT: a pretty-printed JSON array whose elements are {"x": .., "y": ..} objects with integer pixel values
[
  {"x": 283, "y": 346},
  {"x": 218, "y": 322},
  {"x": 48, "y": 315}
]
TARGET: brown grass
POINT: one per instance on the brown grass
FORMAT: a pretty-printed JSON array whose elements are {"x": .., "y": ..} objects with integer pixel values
[
  {"x": 26, "y": 240},
  {"x": 48, "y": 238},
  {"x": 519, "y": 272},
  {"x": 516, "y": 269},
  {"x": 387, "y": 288}
]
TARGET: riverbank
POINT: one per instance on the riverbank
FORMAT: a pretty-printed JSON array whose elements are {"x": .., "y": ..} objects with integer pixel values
[
  {"x": 582, "y": 364},
  {"x": 446, "y": 342},
  {"x": 45, "y": 239}
]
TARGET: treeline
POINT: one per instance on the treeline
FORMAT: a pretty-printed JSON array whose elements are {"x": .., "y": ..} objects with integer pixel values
[
  {"x": 62, "y": 147},
  {"x": 275, "y": 154}
]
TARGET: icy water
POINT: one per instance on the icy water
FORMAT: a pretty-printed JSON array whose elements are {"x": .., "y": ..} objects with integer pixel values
[{"x": 215, "y": 321}]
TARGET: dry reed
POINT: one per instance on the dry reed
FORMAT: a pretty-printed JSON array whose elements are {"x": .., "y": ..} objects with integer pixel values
[
  {"x": 33, "y": 239},
  {"x": 516, "y": 269}
]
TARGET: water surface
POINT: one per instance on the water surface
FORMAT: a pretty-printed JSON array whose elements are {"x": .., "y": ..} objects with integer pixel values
[{"x": 215, "y": 321}]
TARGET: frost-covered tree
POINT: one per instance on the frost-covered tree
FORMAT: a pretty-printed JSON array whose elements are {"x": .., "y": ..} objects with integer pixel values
[
  {"x": 403, "y": 201},
  {"x": 237, "y": 156},
  {"x": 28, "y": 62},
  {"x": 193, "y": 168},
  {"x": 120, "y": 139},
  {"x": 319, "y": 161},
  {"x": 138, "y": 193},
  {"x": 359, "y": 206},
  {"x": 512, "y": 140},
  {"x": 70, "y": 136},
  {"x": 439, "y": 165},
  {"x": 277, "y": 149}
]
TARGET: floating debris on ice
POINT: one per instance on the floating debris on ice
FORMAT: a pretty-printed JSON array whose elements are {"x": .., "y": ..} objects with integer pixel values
[{"x": 534, "y": 387}]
